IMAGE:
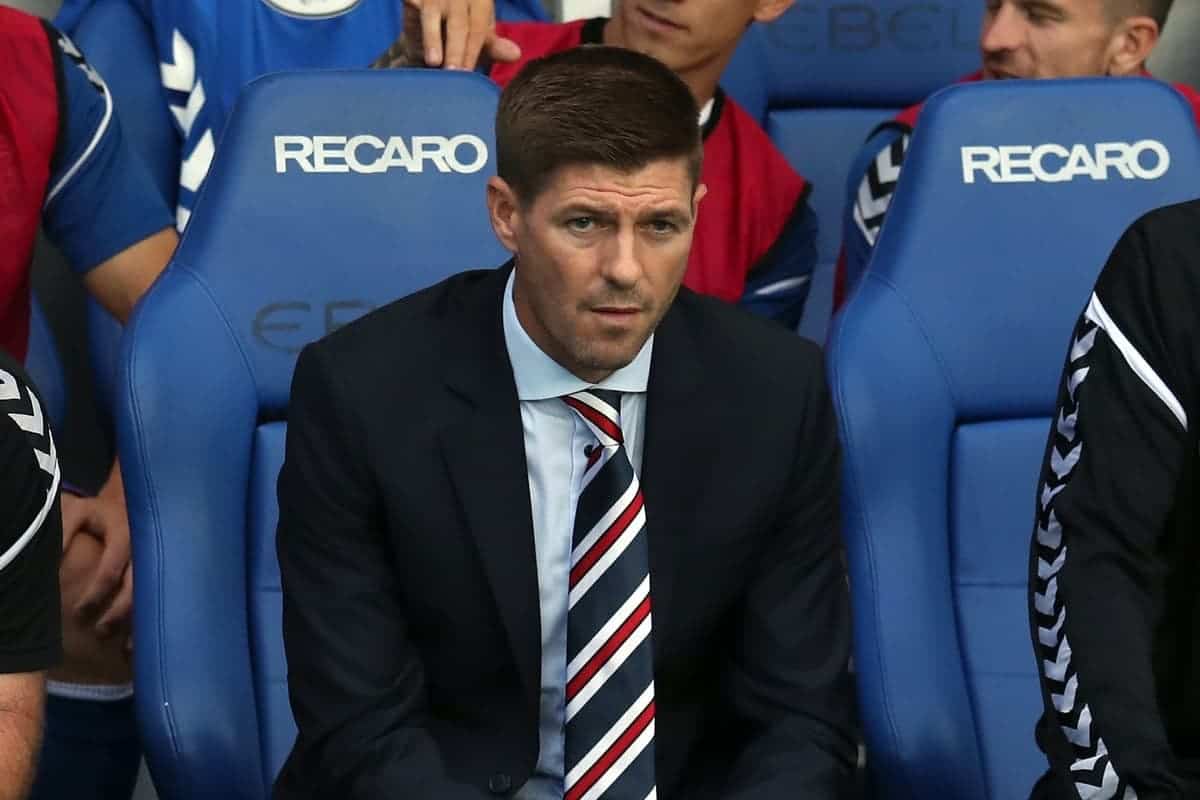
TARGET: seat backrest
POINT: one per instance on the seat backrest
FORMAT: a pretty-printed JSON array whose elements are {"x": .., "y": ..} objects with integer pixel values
[
  {"x": 45, "y": 367},
  {"x": 945, "y": 366},
  {"x": 333, "y": 192},
  {"x": 823, "y": 75}
]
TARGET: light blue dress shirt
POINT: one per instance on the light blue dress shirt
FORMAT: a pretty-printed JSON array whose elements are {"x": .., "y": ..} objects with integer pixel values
[{"x": 555, "y": 438}]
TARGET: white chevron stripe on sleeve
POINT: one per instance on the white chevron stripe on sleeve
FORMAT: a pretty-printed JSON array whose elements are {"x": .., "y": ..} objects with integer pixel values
[
  {"x": 1105, "y": 790},
  {"x": 195, "y": 167},
  {"x": 9, "y": 388},
  {"x": 25, "y": 538},
  {"x": 186, "y": 115},
  {"x": 179, "y": 75},
  {"x": 33, "y": 422},
  {"x": 868, "y": 232},
  {"x": 887, "y": 169},
  {"x": 1048, "y": 570},
  {"x": 1094, "y": 776},
  {"x": 1065, "y": 703},
  {"x": 868, "y": 204},
  {"x": 1049, "y": 636}
]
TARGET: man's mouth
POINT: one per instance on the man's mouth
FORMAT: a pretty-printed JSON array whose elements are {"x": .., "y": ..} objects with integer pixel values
[{"x": 656, "y": 22}]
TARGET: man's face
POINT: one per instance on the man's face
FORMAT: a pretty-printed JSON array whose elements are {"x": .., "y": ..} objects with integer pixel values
[
  {"x": 685, "y": 34},
  {"x": 600, "y": 256},
  {"x": 1046, "y": 38}
]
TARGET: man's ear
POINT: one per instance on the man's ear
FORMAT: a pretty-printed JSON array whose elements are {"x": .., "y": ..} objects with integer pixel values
[
  {"x": 771, "y": 10},
  {"x": 504, "y": 211},
  {"x": 701, "y": 190},
  {"x": 1131, "y": 44}
]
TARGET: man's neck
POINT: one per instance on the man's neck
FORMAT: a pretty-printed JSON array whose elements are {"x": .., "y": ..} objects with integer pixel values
[{"x": 702, "y": 79}]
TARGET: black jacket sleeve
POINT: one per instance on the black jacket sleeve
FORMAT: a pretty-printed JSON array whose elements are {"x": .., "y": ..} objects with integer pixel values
[
  {"x": 30, "y": 529},
  {"x": 789, "y": 684},
  {"x": 1112, "y": 478},
  {"x": 356, "y": 683}
]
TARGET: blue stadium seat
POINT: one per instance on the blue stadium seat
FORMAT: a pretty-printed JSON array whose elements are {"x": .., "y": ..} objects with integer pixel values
[
  {"x": 945, "y": 366},
  {"x": 275, "y": 256},
  {"x": 45, "y": 367},
  {"x": 826, "y": 73},
  {"x": 104, "y": 349}
]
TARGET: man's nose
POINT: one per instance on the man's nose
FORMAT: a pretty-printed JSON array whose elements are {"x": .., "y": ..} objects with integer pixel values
[
  {"x": 1004, "y": 32},
  {"x": 623, "y": 267}
]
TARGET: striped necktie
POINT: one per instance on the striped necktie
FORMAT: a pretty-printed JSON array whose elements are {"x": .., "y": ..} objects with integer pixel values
[{"x": 610, "y": 671}]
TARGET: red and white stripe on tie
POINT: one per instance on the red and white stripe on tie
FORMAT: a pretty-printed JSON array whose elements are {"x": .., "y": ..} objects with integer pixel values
[{"x": 610, "y": 677}]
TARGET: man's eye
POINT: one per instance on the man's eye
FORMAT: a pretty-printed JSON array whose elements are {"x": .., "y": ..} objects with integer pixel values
[
  {"x": 662, "y": 226},
  {"x": 581, "y": 224}
]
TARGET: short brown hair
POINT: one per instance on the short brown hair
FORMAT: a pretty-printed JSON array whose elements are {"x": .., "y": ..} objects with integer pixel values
[
  {"x": 1157, "y": 10},
  {"x": 593, "y": 105}
]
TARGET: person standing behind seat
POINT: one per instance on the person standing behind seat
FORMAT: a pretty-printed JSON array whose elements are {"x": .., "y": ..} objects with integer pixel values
[
  {"x": 756, "y": 238},
  {"x": 1114, "y": 602},
  {"x": 64, "y": 166},
  {"x": 1019, "y": 39},
  {"x": 30, "y": 536},
  {"x": 563, "y": 529},
  {"x": 208, "y": 51}
]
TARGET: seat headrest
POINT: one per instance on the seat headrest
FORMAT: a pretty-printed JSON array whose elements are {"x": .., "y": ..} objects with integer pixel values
[
  {"x": 336, "y": 192},
  {"x": 886, "y": 53},
  {"x": 1012, "y": 197}
]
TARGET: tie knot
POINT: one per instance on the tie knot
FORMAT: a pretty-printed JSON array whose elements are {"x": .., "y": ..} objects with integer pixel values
[{"x": 601, "y": 410}]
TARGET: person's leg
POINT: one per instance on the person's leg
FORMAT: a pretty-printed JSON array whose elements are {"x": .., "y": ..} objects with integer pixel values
[{"x": 90, "y": 750}]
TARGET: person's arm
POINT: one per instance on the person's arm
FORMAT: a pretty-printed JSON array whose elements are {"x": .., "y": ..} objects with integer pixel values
[
  {"x": 357, "y": 684},
  {"x": 454, "y": 34},
  {"x": 121, "y": 280},
  {"x": 778, "y": 285},
  {"x": 101, "y": 206},
  {"x": 873, "y": 177},
  {"x": 788, "y": 682},
  {"x": 22, "y": 706},
  {"x": 1113, "y": 472},
  {"x": 30, "y": 527}
]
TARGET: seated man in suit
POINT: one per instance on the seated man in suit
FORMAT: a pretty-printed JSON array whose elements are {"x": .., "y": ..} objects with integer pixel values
[
  {"x": 756, "y": 237},
  {"x": 1113, "y": 596},
  {"x": 1019, "y": 39},
  {"x": 563, "y": 528}
]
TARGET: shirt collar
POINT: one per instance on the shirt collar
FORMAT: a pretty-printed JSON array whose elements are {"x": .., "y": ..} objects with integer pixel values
[{"x": 539, "y": 377}]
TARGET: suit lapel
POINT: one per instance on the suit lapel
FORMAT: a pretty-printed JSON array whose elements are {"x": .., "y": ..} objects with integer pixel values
[
  {"x": 677, "y": 459},
  {"x": 485, "y": 454}
]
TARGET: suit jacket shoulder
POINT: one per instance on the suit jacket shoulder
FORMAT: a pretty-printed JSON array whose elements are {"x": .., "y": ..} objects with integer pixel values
[
  {"x": 745, "y": 352},
  {"x": 410, "y": 334}
]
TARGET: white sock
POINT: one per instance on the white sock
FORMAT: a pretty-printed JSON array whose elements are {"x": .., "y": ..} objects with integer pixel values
[{"x": 99, "y": 693}]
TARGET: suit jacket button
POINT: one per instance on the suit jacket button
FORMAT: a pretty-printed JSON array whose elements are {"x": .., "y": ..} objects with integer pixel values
[{"x": 499, "y": 783}]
